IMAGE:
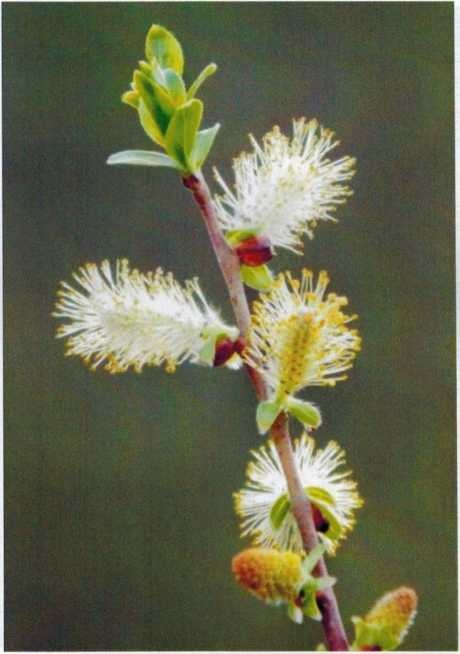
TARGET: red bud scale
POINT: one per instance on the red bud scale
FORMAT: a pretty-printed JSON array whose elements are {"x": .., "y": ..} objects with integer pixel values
[
  {"x": 254, "y": 251},
  {"x": 225, "y": 348}
]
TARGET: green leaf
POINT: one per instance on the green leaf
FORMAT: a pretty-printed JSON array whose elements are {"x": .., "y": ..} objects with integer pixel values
[
  {"x": 141, "y": 158},
  {"x": 203, "y": 144},
  {"x": 193, "y": 114},
  {"x": 308, "y": 414},
  {"x": 257, "y": 277},
  {"x": 267, "y": 413},
  {"x": 156, "y": 100},
  {"x": 180, "y": 136},
  {"x": 163, "y": 46},
  {"x": 131, "y": 98},
  {"x": 279, "y": 511},
  {"x": 312, "y": 558},
  {"x": 143, "y": 86},
  {"x": 316, "y": 493},
  {"x": 145, "y": 68},
  {"x": 208, "y": 351},
  {"x": 150, "y": 126},
  {"x": 310, "y": 607},
  {"x": 205, "y": 73},
  {"x": 157, "y": 73},
  {"x": 152, "y": 92},
  {"x": 175, "y": 86},
  {"x": 309, "y": 585}
]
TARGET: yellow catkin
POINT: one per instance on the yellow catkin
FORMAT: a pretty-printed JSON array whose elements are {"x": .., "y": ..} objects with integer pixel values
[
  {"x": 268, "y": 574},
  {"x": 297, "y": 336},
  {"x": 395, "y": 610}
]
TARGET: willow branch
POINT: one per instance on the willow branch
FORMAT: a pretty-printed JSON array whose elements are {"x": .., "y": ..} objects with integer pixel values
[{"x": 301, "y": 507}]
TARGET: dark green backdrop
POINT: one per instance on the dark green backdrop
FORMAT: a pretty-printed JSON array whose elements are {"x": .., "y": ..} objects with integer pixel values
[{"x": 119, "y": 518}]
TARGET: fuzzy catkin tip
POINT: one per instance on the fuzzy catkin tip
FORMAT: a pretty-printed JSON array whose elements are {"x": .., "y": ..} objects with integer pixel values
[{"x": 396, "y": 609}]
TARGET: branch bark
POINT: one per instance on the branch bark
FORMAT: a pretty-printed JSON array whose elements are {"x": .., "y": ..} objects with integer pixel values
[{"x": 229, "y": 264}]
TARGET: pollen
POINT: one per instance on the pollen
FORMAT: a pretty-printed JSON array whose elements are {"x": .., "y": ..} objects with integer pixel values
[{"x": 297, "y": 335}]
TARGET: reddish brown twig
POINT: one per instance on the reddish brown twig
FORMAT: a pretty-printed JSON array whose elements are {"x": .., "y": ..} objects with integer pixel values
[{"x": 229, "y": 264}]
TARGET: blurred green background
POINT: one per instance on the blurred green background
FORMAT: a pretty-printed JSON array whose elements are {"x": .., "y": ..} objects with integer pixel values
[{"x": 119, "y": 520}]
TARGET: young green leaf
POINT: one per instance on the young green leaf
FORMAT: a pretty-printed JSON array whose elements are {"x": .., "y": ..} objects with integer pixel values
[
  {"x": 131, "y": 98},
  {"x": 141, "y": 158},
  {"x": 279, "y": 511},
  {"x": 312, "y": 558},
  {"x": 309, "y": 589},
  {"x": 145, "y": 68},
  {"x": 175, "y": 86},
  {"x": 257, "y": 277},
  {"x": 161, "y": 45},
  {"x": 180, "y": 136},
  {"x": 156, "y": 100},
  {"x": 205, "y": 73},
  {"x": 207, "y": 352},
  {"x": 267, "y": 413},
  {"x": 149, "y": 124},
  {"x": 203, "y": 143},
  {"x": 308, "y": 414},
  {"x": 310, "y": 607},
  {"x": 193, "y": 114}
]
